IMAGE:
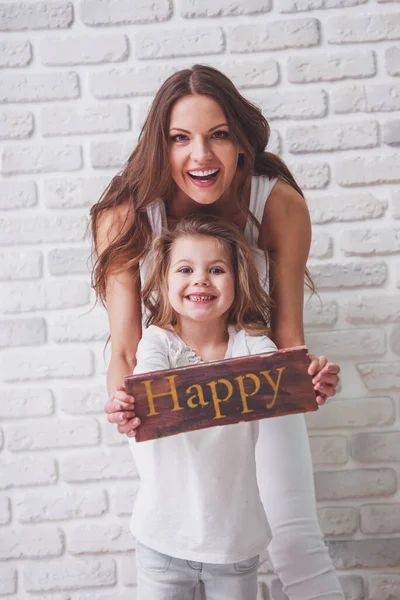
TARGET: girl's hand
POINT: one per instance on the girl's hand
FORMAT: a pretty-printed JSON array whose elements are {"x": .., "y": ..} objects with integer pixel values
[
  {"x": 325, "y": 377},
  {"x": 120, "y": 410}
]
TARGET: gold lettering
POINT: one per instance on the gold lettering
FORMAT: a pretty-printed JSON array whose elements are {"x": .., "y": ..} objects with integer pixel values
[
  {"x": 199, "y": 395},
  {"x": 273, "y": 384},
  {"x": 150, "y": 396},
  {"x": 243, "y": 394},
  {"x": 216, "y": 401}
]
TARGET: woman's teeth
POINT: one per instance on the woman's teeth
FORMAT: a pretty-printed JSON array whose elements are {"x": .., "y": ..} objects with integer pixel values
[{"x": 205, "y": 175}]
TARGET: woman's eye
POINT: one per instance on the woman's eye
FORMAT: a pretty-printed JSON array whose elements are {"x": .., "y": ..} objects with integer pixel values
[
  {"x": 220, "y": 135},
  {"x": 180, "y": 137}
]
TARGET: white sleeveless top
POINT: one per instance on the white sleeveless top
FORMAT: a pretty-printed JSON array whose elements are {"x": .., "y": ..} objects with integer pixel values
[
  {"x": 198, "y": 498},
  {"x": 261, "y": 187}
]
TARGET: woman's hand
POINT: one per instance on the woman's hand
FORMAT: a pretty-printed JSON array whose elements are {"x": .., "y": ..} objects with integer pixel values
[
  {"x": 120, "y": 410},
  {"x": 325, "y": 377}
]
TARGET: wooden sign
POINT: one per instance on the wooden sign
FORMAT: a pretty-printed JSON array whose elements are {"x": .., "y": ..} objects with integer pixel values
[{"x": 222, "y": 392}]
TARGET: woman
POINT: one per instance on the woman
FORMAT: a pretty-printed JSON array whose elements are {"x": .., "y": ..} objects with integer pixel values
[{"x": 201, "y": 150}]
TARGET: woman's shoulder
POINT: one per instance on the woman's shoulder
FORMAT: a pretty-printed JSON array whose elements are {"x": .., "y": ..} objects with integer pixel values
[
  {"x": 112, "y": 222},
  {"x": 286, "y": 217}
]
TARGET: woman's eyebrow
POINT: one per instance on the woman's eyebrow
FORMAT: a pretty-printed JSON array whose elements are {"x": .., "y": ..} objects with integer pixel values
[
  {"x": 220, "y": 125},
  {"x": 186, "y": 131}
]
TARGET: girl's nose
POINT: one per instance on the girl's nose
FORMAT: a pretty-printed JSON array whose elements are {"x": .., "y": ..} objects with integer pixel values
[{"x": 202, "y": 279}]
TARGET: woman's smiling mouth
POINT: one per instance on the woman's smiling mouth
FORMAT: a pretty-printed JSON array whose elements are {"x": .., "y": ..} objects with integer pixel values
[{"x": 206, "y": 176}]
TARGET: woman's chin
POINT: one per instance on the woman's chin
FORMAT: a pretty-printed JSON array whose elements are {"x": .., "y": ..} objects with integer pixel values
[{"x": 202, "y": 197}]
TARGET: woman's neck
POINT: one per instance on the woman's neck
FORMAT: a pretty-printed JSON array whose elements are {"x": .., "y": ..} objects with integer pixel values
[
  {"x": 209, "y": 340},
  {"x": 226, "y": 207}
]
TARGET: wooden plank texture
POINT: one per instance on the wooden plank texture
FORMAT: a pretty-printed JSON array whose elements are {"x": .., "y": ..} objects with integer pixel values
[{"x": 222, "y": 392}]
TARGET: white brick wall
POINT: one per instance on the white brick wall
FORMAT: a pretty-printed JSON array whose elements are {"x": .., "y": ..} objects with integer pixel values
[{"x": 77, "y": 78}]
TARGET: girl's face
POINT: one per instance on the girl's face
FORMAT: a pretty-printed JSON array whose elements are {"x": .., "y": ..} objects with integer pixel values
[
  {"x": 201, "y": 282},
  {"x": 202, "y": 154}
]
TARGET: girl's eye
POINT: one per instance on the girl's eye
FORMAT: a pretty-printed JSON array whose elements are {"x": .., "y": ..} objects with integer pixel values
[
  {"x": 216, "y": 271},
  {"x": 179, "y": 137},
  {"x": 220, "y": 135},
  {"x": 185, "y": 270}
]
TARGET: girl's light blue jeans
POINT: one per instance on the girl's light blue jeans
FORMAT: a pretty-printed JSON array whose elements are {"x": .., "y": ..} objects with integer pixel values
[{"x": 163, "y": 577}]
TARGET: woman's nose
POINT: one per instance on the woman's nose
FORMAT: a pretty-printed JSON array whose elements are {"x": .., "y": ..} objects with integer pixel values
[{"x": 200, "y": 150}]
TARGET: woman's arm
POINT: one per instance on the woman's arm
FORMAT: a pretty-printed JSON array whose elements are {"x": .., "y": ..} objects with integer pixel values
[
  {"x": 124, "y": 315},
  {"x": 283, "y": 459},
  {"x": 286, "y": 229}
]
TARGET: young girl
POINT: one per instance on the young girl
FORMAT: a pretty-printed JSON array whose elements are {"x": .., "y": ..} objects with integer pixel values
[{"x": 198, "y": 516}]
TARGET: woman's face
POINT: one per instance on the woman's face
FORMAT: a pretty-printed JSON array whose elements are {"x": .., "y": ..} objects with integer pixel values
[{"x": 202, "y": 154}]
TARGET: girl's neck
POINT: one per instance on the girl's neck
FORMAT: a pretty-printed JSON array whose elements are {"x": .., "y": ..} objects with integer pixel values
[{"x": 209, "y": 340}]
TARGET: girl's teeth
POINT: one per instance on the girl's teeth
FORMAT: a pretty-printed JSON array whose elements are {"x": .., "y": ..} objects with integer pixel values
[{"x": 200, "y": 298}]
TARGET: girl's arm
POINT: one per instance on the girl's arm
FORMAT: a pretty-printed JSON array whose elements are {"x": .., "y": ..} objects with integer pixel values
[{"x": 287, "y": 233}]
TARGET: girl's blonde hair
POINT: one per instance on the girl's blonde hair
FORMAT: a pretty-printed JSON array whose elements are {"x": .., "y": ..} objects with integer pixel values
[{"x": 251, "y": 306}]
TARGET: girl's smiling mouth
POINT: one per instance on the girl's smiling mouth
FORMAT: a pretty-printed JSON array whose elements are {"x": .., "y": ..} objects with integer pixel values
[{"x": 200, "y": 297}]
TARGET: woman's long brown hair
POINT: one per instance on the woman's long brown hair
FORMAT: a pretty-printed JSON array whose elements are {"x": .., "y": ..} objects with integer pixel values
[
  {"x": 146, "y": 177},
  {"x": 250, "y": 309}
]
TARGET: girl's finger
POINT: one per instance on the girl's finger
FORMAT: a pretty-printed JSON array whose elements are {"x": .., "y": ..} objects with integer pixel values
[
  {"x": 126, "y": 416},
  {"x": 116, "y": 417},
  {"x": 332, "y": 368},
  {"x": 317, "y": 364},
  {"x": 132, "y": 433},
  {"x": 332, "y": 380},
  {"x": 325, "y": 390},
  {"x": 118, "y": 405},
  {"x": 126, "y": 427},
  {"x": 109, "y": 407},
  {"x": 123, "y": 396},
  {"x": 321, "y": 399}
]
